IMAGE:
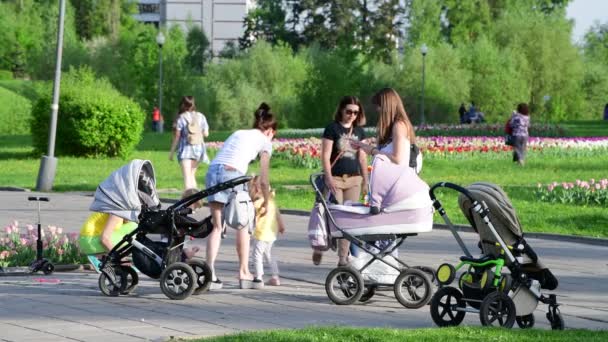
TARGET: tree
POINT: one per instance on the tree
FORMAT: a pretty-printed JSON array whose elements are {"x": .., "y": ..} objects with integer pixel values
[
  {"x": 96, "y": 18},
  {"x": 198, "y": 49},
  {"x": 267, "y": 22},
  {"x": 596, "y": 42}
]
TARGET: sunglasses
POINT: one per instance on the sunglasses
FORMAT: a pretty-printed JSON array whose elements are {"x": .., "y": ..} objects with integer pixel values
[{"x": 351, "y": 112}]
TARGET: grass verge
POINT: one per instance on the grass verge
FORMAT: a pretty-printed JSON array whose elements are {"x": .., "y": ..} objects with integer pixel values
[{"x": 338, "y": 334}]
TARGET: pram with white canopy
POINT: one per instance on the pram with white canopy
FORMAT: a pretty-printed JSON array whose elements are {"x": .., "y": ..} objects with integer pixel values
[
  {"x": 130, "y": 193},
  {"x": 379, "y": 236},
  {"x": 504, "y": 284}
]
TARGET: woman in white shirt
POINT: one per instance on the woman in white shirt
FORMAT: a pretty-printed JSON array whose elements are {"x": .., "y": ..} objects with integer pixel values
[{"x": 232, "y": 161}]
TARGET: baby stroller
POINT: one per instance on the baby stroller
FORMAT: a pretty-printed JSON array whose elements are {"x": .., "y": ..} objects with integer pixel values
[
  {"x": 130, "y": 193},
  {"x": 379, "y": 236},
  {"x": 501, "y": 298}
]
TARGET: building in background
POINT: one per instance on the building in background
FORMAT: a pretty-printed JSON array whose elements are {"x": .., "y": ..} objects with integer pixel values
[{"x": 221, "y": 20}]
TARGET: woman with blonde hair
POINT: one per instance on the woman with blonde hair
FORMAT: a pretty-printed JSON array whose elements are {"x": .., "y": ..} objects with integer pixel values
[{"x": 395, "y": 132}]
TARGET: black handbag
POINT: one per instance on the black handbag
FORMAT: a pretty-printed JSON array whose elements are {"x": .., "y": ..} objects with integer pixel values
[{"x": 509, "y": 140}]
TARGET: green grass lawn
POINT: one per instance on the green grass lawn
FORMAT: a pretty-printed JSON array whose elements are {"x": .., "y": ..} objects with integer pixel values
[
  {"x": 338, "y": 334},
  {"x": 594, "y": 128},
  {"x": 19, "y": 167}
]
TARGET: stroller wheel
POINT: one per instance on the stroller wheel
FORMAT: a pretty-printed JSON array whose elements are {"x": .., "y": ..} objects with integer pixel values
[
  {"x": 368, "y": 293},
  {"x": 203, "y": 275},
  {"x": 555, "y": 318},
  {"x": 525, "y": 322},
  {"x": 178, "y": 281},
  {"x": 344, "y": 285},
  {"x": 497, "y": 309},
  {"x": 445, "y": 274},
  {"x": 444, "y": 305},
  {"x": 48, "y": 268},
  {"x": 132, "y": 279},
  {"x": 413, "y": 288},
  {"x": 112, "y": 282}
]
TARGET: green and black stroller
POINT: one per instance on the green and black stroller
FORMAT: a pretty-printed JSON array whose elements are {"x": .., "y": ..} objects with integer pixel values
[{"x": 504, "y": 284}]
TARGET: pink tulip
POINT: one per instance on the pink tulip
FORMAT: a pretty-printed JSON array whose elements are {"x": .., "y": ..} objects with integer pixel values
[
  {"x": 53, "y": 230},
  {"x": 8, "y": 229},
  {"x": 59, "y": 230}
]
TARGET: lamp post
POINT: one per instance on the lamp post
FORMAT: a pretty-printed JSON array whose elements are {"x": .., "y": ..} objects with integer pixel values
[
  {"x": 48, "y": 163},
  {"x": 160, "y": 40},
  {"x": 423, "y": 50}
]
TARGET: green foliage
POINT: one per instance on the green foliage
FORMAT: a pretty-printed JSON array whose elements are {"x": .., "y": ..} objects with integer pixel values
[
  {"x": 14, "y": 113},
  {"x": 97, "y": 18},
  {"x": 198, "y": 53},
  {"x": 499, "y": 80},
  {"x": 446, "y": 83},
  {"x": 231, "y": 91},
  {"x": 94, "y": 119}
]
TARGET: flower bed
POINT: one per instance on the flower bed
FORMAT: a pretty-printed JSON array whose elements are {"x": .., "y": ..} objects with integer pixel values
[
  {"x": 306, "y": 152},
  {"x": 590, "y": 192},
  {"x": 18, "y": 246}
]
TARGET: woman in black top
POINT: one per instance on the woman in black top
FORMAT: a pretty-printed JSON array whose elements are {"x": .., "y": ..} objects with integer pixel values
[{"x": 345, "y": 168}]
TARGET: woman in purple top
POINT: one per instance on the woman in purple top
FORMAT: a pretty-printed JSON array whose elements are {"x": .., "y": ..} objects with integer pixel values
[{"x": 520, "y": 121}]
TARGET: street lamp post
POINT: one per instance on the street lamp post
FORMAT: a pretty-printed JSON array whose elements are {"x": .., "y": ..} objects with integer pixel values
[
  {"x": 423, "y": 50},
  {"x": 48, "y": 163},
  {"x": 160, "y": 40}
]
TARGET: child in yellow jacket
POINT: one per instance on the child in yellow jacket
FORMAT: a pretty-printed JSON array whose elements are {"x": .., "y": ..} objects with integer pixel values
[{"x": 267, "y": 226}]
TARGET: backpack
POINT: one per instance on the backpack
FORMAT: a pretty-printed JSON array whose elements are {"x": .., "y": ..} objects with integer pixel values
[{"x": 193, "y": 128}]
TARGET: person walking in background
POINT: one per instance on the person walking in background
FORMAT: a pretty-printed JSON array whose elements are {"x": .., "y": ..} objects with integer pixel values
[
  {"x": 157, "y": 120},
  {"x": 462, "y": 112},
  {"x": 471, "y": 113},
  {"x": 606, "y": 112},
  {"x": 232, "y": 161},
  {"x": 520, "y": 122},
  {"x": 189, "y": 131},
  {"x": 345, "y": 168},
  {"x": 267, "y": 226}
]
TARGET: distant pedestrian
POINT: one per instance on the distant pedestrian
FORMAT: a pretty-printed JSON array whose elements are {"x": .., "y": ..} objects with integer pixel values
[
  {"x": 157, "y": 120},
  {"x": 606, "y": 112},
  {"x": 189, "y": 131},
  {"x": 462, "y": 112},
  {"x": 520, "y": 122}
]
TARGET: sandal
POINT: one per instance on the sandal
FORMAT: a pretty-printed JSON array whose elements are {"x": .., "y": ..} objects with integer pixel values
[{"x": 246, "y": 284}]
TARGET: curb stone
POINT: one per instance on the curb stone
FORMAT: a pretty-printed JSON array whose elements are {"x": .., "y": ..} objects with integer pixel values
[{"x": 462, "y": 228}]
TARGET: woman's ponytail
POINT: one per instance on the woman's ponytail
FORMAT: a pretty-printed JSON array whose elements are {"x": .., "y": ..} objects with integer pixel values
[{"x": 264, "y": 119}]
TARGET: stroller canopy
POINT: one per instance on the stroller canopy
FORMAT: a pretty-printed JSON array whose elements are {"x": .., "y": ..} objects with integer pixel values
[
  {"x": 502, "y": 214},
  {"x": 127, "y": 190}
]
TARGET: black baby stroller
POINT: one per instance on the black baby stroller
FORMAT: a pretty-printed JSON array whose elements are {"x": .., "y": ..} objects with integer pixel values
[
  {"x": 504, "y": 284},
  {"x": 130, "y": 193}
]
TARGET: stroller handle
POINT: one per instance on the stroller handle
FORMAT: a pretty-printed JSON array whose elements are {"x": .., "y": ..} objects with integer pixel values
[
  {"x": 450, "y": 186},
  {"x": 210, "y": 191}
]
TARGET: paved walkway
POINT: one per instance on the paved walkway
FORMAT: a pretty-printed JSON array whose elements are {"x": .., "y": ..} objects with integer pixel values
[{"x": 69, "y": 306}]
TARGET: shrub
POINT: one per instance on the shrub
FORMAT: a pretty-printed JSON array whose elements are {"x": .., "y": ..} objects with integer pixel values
[
  {"x": 14, "y": 113},
  {"x": 94, "y": 118}
]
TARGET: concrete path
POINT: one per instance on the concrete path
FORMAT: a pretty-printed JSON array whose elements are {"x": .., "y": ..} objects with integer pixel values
[{"x": 69, "y": 306}]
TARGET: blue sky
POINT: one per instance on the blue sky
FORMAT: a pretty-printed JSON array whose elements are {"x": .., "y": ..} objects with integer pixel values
[{"x": 585, "y": 13}]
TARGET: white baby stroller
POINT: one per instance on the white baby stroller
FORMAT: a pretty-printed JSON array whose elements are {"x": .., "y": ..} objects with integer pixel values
[
  {"x": 504, "y": 284},
  {"x": 130, "y": 193},
  {"x": 379, "y": 236}
]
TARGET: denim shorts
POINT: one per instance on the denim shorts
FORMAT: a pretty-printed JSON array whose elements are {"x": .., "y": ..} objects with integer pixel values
[{"x": 217, "y": 174}]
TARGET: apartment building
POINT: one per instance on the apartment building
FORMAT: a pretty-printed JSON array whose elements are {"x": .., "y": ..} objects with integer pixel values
[{"x": 221, "y": 20}]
